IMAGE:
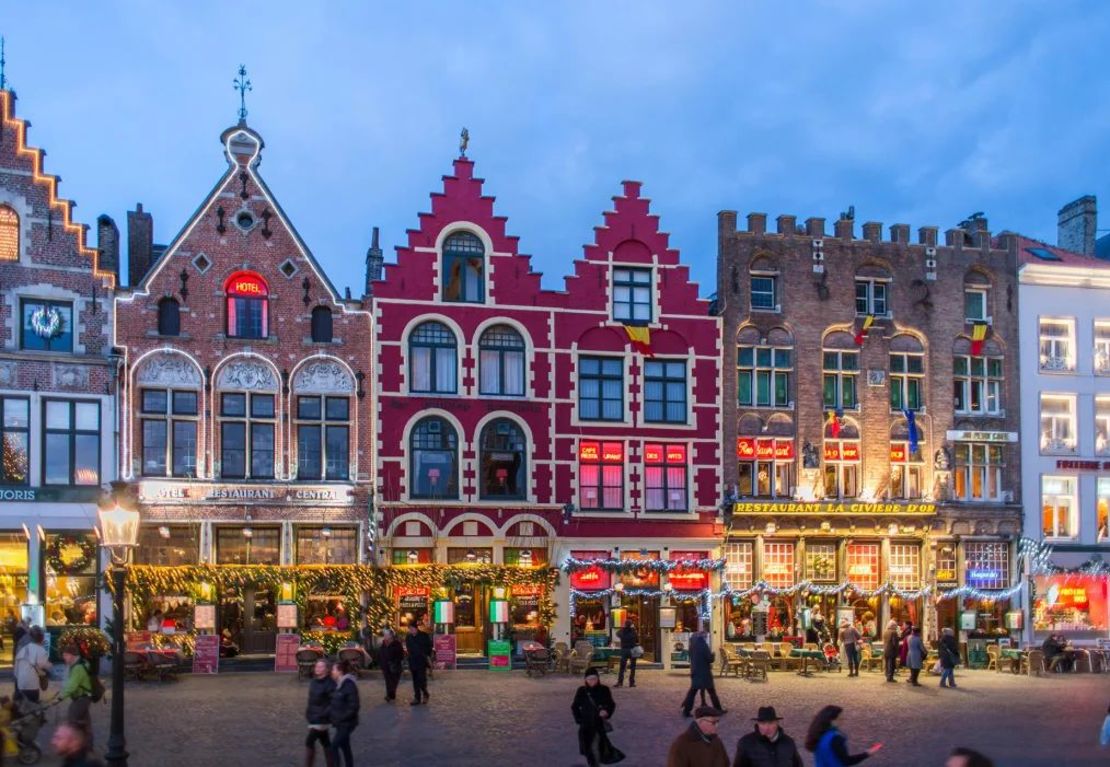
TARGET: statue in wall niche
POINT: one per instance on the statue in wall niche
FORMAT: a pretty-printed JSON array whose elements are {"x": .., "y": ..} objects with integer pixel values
[
  {"x": 942, "y": 459},
  {"x": 810, "y": 459}
]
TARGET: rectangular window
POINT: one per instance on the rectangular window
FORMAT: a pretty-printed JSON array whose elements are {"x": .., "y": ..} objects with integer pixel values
[
  {"x": 977, "y": 385},
  {"x": 665, "y": 470},
  {"x": 1102, "y": 425},
  {"x": 323, "y": 437},
  {"x": 1102, "y": 509},
  {"x": 1057, "y": 348},
  {"x": 841, "y": 372},
  {"x": 821, "y": 562},
  {"x": 905, "y": 565},
  {"x": 168, "y": 545},
  {"x": 237, "y": 451},
  {"x": 986, "y": 565},
  {"x": 738, "y": 564},
  {"x": 907, "y": 471},
  {"x": 601, "y": 476},
  {"x": 248, "y": 546},
  {"x": 71, "y": 590},
  {"x": 871, "y": 298},
  {"x": 600, "y": 389},
  {"x": 766, "y": 467},
  {"x": 247, "y": 317},
  {"x": 975, "y": 306},
  {"x": 763, "y": 376},
  {"x": 47, "y": 326},
  {"x": 778, "y": 564},
  {"x": 665, "y": 392},
  {"x": 907, "y": 381},
  {"x": 15, "y": 435},
  {"x": 841, "y": 468},
  {"x": 1102, "y": 347},
  {"x": 1059, "y": 507},
  {"x": 632, "y": 296},
  {"x": 862, "y": 560},
  {"x": 764, "y": 295},
  {"x": 327, "y": 545},
  {"x": 71, "y": 443},
  {"x": 978, "y": 474},
  {"x": 1058, "y": 423},
  {"x": 169, "y": 433}
]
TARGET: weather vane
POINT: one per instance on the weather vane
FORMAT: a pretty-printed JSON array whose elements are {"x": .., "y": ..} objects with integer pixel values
[
  {"x": 242, "y": 84},
  {"x": 464, "y": 141}
]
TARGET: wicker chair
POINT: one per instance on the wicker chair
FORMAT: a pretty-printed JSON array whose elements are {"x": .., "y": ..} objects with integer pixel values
[
  {"x": 162, "y": 666},
  {"x": 1035, "y": 663},
  {"x": 562, "y": 657},
  {"x": 867, "y": 659},
  {"x": 580, "y": 661},
  {"x": 306, "y": 661},
  {"x": 730, "y": 661},
  {"x": 758, "y": 665},
  {"x": 994, "y": 652},
  {"x": 356, "y": 657},
  {"x": 1083, "y": 661},
  {"x": 785, "y": 661}
]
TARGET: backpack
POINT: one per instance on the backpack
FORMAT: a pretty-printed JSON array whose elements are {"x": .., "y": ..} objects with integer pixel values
[{"x": 97, "y": 692}]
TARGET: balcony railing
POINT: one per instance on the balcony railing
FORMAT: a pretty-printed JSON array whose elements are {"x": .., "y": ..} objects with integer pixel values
[{"x": 1056, "y": 364}]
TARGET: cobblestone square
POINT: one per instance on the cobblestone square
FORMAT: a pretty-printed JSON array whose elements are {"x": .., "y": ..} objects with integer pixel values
[{"x": 483, "y": 718}]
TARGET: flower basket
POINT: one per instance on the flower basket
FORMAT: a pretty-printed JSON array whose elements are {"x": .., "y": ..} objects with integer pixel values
[{"x": 92, "y": 642}]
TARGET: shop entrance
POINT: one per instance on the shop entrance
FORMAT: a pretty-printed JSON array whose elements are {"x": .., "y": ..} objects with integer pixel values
[
  {"x": 644, "y": 612},
  {"x": 470, "y": 624},
  {"x": 250, "y": 617}
]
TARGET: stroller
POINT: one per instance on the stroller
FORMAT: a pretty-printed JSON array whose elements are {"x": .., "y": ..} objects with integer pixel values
[
  {"x": 832, "y": 657},
  {"x": 28, "y": 719}
]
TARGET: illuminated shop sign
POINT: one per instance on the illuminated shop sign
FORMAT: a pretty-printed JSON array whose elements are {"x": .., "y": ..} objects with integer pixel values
[
  {"x": 199, "y": 492},
  {"x": 833, "y": 507},
  {"x": 1084, "y": 465},
  {"x": 592, "y": 452},
  {"x": 750, "y": 449}
]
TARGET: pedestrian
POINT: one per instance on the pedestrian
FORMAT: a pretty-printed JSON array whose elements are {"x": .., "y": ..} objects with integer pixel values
[
  {"x": 966, "y": 757},
  {"x": 343, "y": 712},
  {"x": 849, "y": 640},
  {"x": 320, "y": 689},
  {"x": 904, "y": 642},
  {"x": 32, "y": 667},
  {"x": 767, "y": 745},
  {"x": 70, "y": 743},
  {"x": 915, "y": 655},
  {"x": 949, "y": 650},
  {"x": 1104, "y": 736},
  {"x": 78, "y": 689},
  {"x": 891, "y": 640},
  {"x": 419, "y": 648},
  {"x": 20, "y": 635},
  {"x": 820, "y": 628},
  {"x": 593, "y": 708},
  {"x": 701, "y": 673},
  {"x": 827, "y": 742},
  {"x": 390, "y": 656},
  {"x": 699, "y": 745},
  {"x": 629, "y": 640}
]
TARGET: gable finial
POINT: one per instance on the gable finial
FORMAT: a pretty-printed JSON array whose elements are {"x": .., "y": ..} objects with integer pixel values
[
  {"x": 242, "y": 84},
  {"x": 464, "y": 141},
  {"x": 3, "y": 80}
]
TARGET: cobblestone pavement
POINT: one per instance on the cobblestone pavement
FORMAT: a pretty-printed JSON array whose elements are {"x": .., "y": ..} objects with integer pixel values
[{"x": 486, "y": 718}]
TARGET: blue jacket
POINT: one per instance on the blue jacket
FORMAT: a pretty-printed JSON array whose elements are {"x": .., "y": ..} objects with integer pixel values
[{"x": 832, "y": 751}]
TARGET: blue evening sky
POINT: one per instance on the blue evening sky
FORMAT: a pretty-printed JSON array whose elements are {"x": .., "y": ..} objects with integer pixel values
[{"x": 913, "y": 114}]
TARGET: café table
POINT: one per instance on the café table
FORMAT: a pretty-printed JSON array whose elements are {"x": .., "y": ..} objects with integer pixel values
[
  {"x": 806, "y": 656},
  {"x": 1015, "y": 656}
]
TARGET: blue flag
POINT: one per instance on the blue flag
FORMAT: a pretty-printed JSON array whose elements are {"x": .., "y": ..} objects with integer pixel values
[{"x": 911, "y": 429}]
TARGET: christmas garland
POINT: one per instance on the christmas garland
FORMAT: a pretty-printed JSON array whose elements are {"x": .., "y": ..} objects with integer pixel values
[
  {"x": 63, "y": 544},
  {"x": 46, "y": 321},
  {"x": 92, "y": 642},
  {"x": 619, "y": 566}
]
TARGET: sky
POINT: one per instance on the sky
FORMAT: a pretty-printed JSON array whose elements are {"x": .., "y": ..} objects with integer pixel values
[{"x": 918, "y": 115}]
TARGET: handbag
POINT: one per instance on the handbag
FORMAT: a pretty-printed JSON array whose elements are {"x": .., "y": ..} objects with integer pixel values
[
  {"x": 637, "y": 652},
  {"x": 938, "y": 667}
]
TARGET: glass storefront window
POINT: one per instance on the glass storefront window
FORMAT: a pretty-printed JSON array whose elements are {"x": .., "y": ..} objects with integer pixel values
[
  {"x": 71, "y": 564},
  {"x": 778, "y": 564},
  {"x": 529, "y": 557},
  {"x": 412, "y": 556},
  {"x": 461, "y": 556},
  {"x": 248, "y": 546},
  {"x": 524, "y": 606},
  {"x": 327, "y": 546},
  {"x": 1102, "y": 509},
  {"x": 738, "y": 619},
  {"x": 987, "y": 565},
  {"x": 738, "y": 565},
  {"x": 326, "y": 612},
  {"x": 1070, "y": 604},
  {"x": 412, "y": 605},
  {"x": 13, "y": 586},
  {"x": 167, "y": 545},
  {"x": 590, "y": 617},
  {"x": 821, "y": 562},
  {"x": 863, "y": 565}
]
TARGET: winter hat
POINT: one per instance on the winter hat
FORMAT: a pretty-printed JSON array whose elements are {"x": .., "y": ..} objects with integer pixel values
[
  {"x": 767, "y": 714},
  {"x": 592, "y": 671}
]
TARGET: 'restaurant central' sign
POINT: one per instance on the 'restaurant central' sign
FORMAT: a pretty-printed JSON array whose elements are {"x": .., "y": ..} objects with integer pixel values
[{"x": 208, "y": 493}]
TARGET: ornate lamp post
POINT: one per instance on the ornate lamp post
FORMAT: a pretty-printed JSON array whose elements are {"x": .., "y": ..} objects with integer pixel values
[{"x": 119, "y": 533}]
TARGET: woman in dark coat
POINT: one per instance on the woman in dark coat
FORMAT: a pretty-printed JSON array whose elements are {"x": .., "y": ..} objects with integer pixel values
[
  {"x": 701, "y": 674},
  {"x": 949, "y": 657},
  {"x": 593, "y": 706},
  {"x": 320, "y": 689},
  {"x": 390, "y": 656},
  {"x": 343, "y": 712}
]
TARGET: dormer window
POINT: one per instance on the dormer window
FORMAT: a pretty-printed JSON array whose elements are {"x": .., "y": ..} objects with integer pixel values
[
  {"x": 632, "y": 296},
  {"x": 871, "y": 298},
  {"x": 247, "y": 306},
  {"x": 463, "y": 277}
]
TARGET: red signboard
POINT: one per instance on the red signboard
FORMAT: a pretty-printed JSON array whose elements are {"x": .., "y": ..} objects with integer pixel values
[
  {"x": 841, "y": 451},
  {"x": 246, "y": 285},
  {"x": 676, "y": 454},
  {"x": 285, "y": 652},
  {"x": 653, "y": 454},
  {"x": 592, "y": 452},
  {"x": 612, "y": 452},
  {"x": 206, "y": 654},
  {"x": 412, "y": 591},
  {"x": 751, "y": 449},
  {"x": 590, "y": 578},
  {"x": 688, "y": 580},
  {"x": 444, "y": 646},
  {"x": 525, "y": 590},
  {"x": 137, "y": 640}
]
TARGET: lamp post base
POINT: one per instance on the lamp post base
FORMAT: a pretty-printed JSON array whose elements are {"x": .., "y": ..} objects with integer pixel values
[{"x": 117, "y": 743}]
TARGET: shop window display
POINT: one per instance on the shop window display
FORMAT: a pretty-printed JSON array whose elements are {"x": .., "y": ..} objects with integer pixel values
[
  {"x": 327, "y": 546},
  {"x": 1070, "y": 604},
  {"x": 326, "y": 612},
  {"x": 13, "y": 587},
  {"x": 71, "y": 564},
  {"x": 168, "y": 545},
  {"x": 169, "y": 614},
  {"x": 248, "y": 546}
]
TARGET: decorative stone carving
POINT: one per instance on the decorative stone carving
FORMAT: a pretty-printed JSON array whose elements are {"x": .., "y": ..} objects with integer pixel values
[
  {"x": 7, "y": 374},
  {"x": 73, "y": 377},
  {"x": 323, "y": 377},
  {"x": 167, "y": 369},
  {"x": 251, "y": 375}
]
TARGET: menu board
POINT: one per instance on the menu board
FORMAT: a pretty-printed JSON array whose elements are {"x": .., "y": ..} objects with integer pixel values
[
  {"x": 287, "y": 616},
  {"x": 285, "y": 652},
  {"x": 499, "y": 655},
  {"x": 136, "y": 640},
  {"x": 444, "y": 645},
  {"x": 206, "y": 654},
  {"x": 204, "y": 617}
]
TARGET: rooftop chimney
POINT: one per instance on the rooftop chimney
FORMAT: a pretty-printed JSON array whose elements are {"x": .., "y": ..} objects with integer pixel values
[
  {"x": 1075, "y": 225},
  {"x": 140, "y": 244},
  {"x": 374, "y": 263},
  {"x": 107, "y": 241}
]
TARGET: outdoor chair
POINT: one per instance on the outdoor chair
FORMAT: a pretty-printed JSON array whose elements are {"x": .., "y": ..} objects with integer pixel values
[
  {"x": 580, "y": 661},
  {"x": 1082, "y": 662},
  {"x": 162, "y": 666},
  {"x": 135, "y": 665},
  {"x": 758, "y": 665},
  {"x": 536, "y": 661},
  {"x": 993, "y": 654},
  {"x": 1035, "y": 663},
  {"x": 730, "y": 661},
  {"x": 785, "y": 661},
  {"x": 355, "y": 657},
  {"x": 306, "y": 661},
  {"x": 562, "y": 657},
  {"x": 867, "y": 659}
]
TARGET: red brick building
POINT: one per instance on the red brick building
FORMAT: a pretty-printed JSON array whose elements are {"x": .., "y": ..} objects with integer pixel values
[
  {"x": 518, "y": 425},
  {"x": 871, "y": 406},
  {"x": 245, "y": 401},
  {"x": 57, "y": 393}
]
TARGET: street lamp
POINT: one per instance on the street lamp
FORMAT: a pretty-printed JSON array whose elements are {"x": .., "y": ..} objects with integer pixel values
[{"x": 119, "y": 533}]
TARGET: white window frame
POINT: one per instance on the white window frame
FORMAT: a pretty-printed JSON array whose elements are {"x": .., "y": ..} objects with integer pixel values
[
  {"x": 774, "y": 278},
  {"x": 1102, "y": 348},
  {"x": 979, "y": 463},
  {"x": 905, "y": 565},
  {"x": 1056, "y": 353},
  {"x": 1102, "y": 425},
  {"x": 982, "y": 316},
  {"x": 1065, "y": 495},
  {"x": 780, "y": 553},
  {"x": 872, "y": 300},
  {"x": 844, "y": 468},
  {"x": 912, "y": 466},
  {"x": 1058, "y": 432},
  {"x": 739, "y": 564},
  {"x": 990, "y": 387}
]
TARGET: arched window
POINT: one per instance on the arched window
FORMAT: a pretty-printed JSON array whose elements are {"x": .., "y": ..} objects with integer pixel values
[
  {"x": 504, "y": 468},
  {"x": 764, "y": 367},
  {"x": 434, "y": 453},
  {"x": 9, "y": 234},
  {"x": 321, "y": 325},
  {"x": 247, "y": 306},
  {"x": 169, "y": 317},
  {"x": 907, "y": 462},
  {"x": 432, "y": 353},
  {"x": 501, "y": 362},
  {"x": 464, "y": 261}
]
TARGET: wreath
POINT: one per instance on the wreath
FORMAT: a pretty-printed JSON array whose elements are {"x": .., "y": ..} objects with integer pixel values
[
  {"x": 70, "y": 554},
  {"x": 46, "y": 321}
]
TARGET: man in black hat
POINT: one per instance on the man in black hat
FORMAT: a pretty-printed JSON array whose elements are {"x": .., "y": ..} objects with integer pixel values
[
  {"x": 767, "y": 745},
  {"x": 699, "y": 745}
]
